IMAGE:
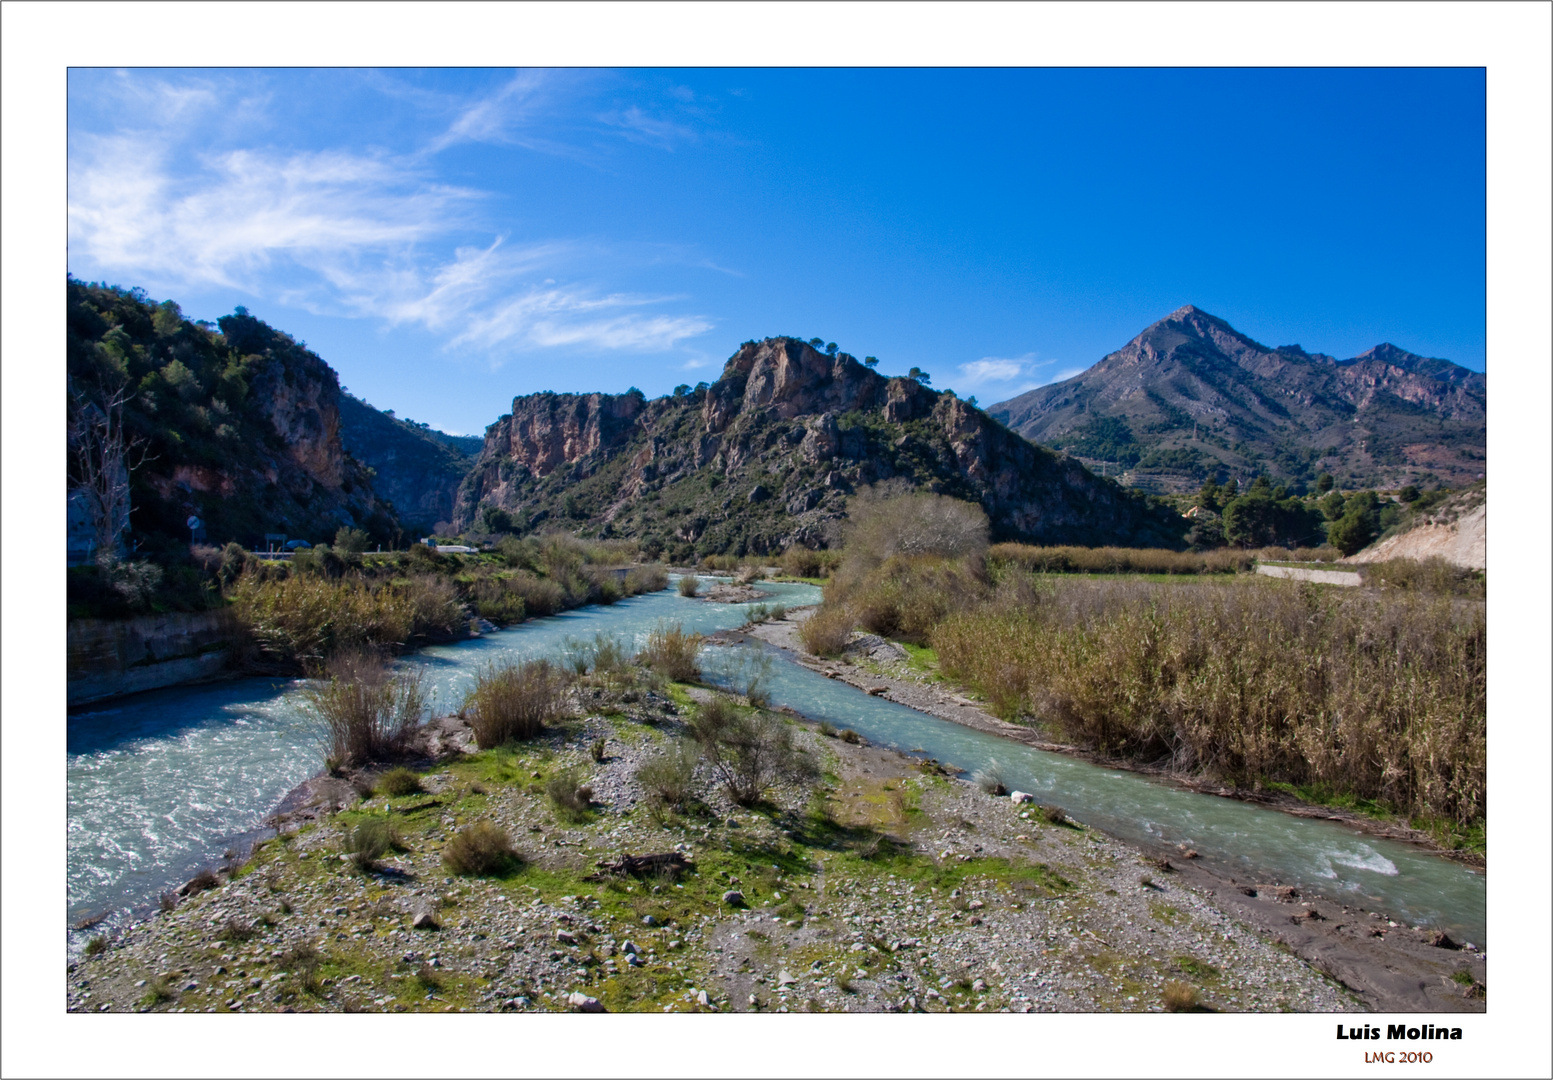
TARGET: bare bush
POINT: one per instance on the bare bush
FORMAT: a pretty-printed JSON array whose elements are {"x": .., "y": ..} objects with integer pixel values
[
  {"x": 369, "y": 711},
  {"x": 749, "y": 754},
  {"x": 513, "y": 700},
  {"x": 881, "y": 525},
  {"x": 689, "y": 584},
  {"x": 435, "y": 606},
  {"x": 826, "y": 631}
]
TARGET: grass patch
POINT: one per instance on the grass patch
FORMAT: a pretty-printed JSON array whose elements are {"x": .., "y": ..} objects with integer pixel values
[
  {"x": 159, "y": 990},
  {"x": 1198, "y": 969}
]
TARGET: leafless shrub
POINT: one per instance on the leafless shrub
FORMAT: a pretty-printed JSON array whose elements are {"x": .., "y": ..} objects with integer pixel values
[{"x": 749, "y": 754}]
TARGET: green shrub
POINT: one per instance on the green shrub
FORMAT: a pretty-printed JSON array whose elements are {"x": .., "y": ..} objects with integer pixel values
[
  {"x": 667, "y": 779},
  {"x": 303, "y": 619},
  {"x": 689, "y": 584},
  {"x": 96, "y": 945},
  {"x": 480, "y": 850},
  {"x": 570, "y": 795},
  {"x": 513, "y": 700},
  {"x": 369, "y": 841}
]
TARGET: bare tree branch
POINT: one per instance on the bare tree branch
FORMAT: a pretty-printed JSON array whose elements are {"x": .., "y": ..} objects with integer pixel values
[{"x": 102, "y": 456}]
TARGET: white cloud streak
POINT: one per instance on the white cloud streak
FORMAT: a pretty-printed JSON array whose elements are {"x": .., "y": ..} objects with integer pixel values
[{"x": 343, "y": 232}]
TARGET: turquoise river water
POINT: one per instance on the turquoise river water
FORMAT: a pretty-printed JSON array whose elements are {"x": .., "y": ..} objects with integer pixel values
[{"x": 161, "y": 784}]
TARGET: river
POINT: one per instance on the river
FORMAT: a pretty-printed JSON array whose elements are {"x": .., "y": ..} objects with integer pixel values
[{"x": 162, "y": 783}]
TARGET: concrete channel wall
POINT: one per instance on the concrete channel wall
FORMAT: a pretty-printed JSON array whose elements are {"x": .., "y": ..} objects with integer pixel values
[
  {"x": 110, "y": 657},
  {"x": 1323, "y": 577}
]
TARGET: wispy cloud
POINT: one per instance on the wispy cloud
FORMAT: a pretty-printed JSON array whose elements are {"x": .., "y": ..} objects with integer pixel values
[
  {"x": 497, "y": 118},
  {"x": 638, "y": 126},
  {"x": 364, "y": 233}
]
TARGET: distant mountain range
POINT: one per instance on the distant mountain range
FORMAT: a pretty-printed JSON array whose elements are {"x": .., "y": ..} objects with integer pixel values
[{"x": 1192, "y": 398}]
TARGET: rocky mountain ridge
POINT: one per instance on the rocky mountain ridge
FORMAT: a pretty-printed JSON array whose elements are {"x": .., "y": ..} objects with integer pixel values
[
  {"x": 768, "y": 454},
  {"x": 1193, "y": 396}
]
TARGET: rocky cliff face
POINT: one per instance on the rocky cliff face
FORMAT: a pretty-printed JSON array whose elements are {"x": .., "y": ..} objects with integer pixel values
[
  {"x": 767, "y": 456},
  {"x": 1192, "y": 395}
]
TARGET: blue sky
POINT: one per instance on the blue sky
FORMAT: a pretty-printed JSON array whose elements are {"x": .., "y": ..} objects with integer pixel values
[{"x": 448, "y": 239}]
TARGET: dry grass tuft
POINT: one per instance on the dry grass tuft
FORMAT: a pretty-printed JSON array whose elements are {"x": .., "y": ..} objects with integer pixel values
[
  {"x": 480, "y": 850},
  {"x": 1180, "y": 997},
  {"x": 513, "y": 700},
  {"x": 671, "y": 652},
  {"x": 368, "y": 710}
]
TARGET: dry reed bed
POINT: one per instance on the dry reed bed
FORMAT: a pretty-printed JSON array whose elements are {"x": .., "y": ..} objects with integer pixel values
[{"x": 1382, "y": 695}]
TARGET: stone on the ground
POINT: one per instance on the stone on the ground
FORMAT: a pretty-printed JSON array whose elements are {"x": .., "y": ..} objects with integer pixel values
[{"x": 583, "y": 1003}]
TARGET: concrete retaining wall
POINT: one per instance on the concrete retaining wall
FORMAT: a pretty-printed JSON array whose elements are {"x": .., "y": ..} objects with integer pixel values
[
  {"x": 1324, "y": 577},
  {"x": 109, "y": 657}
]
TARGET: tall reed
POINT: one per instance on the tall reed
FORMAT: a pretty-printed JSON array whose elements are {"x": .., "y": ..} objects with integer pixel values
[
  {"x": 1378, "y": 694},
  {"x": 513, "y": 700},
  {"x": 368, "y": 710}
]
